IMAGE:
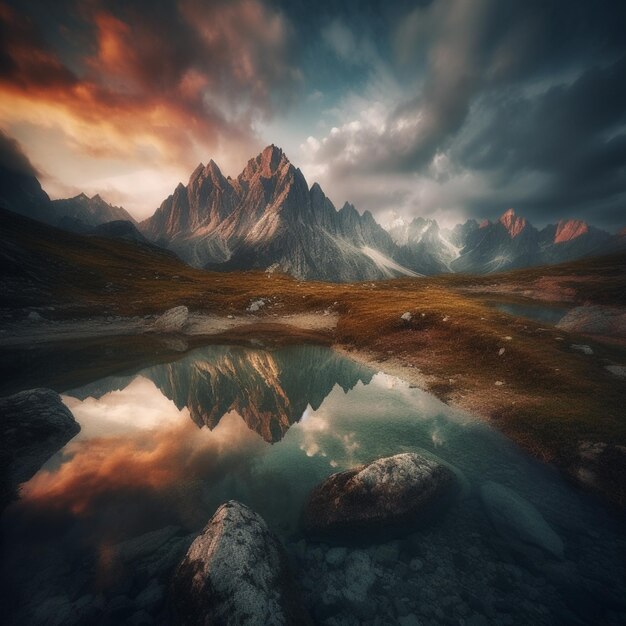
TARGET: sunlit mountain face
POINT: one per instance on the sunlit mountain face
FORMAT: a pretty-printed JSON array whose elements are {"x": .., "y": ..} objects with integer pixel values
[{"x": 439, "y": 109}]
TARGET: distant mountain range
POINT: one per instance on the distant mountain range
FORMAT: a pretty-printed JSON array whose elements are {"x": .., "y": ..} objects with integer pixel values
[
  {"x": 21, "y": 193},
  {"x": 269, "y": 218}
]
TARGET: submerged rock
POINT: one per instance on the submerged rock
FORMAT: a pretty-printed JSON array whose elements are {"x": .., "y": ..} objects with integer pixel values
[
  {"x": 388, "y": 493},
  {"x": 236, "y": 573},
  {"x": 35, "y": 424},
  {"x": 517, "y": 519},
  {"x": 172, "y": 321}
]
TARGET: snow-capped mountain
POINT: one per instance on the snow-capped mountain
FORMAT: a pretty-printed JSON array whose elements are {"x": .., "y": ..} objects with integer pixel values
[{"x": 268, "y": 216}]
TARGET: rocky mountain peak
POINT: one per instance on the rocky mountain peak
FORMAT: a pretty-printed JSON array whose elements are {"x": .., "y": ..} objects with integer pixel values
[
  {"x": 513, "y": 224},
  {"x": 566, "y": 230},
  {"x": 271, "y": 158}
]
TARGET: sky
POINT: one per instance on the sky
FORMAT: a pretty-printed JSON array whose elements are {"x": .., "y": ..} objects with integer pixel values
[{"x": 437, "y": 108}]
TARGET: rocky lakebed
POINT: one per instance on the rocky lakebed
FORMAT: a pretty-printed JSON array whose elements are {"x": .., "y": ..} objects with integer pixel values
[{"x": 287, "y": 486}]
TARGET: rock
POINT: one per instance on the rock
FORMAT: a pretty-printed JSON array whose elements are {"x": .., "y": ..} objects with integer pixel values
[
  {"x": 336, "y": 556},
  {"x": 235, "y": 573},
  {"x": 152, "y": 555},
  {"x": 391, "y": 492},
  {"x": 579, "y": 347},
  {"x": 35, "y": 424},
  {"x": 416, "y": 565},
  {"x": 172, "y": 321},
  {"x": 151, "y": 597},
  {"x": 406, "y": 317},
  {"x": 359, "y": 578},
  {"x": 256, "y": 305},
  {"x": 595, "y": 319},
  {"x": 33, "y": 316},
  {"x": 517, "y": 519},
  {"x": 617, "y": 370},
  {"x": 387, "y": 552}
]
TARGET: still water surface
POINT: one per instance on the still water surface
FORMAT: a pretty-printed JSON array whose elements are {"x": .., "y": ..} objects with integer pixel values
[{"x": 160, "y": 449}]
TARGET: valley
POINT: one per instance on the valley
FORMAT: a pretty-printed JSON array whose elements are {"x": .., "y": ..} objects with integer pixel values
[{"x": 523, "y": 376}]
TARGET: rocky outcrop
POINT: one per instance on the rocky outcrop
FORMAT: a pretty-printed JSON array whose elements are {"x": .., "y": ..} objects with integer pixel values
[
  {"x": 172, "y": 321},
  {"x": 514, "y": 225},
  {"x": 388, "y": 494},
  {"x": 35, "y": 424},
  {"x": 518, "y": 520},
  {"x": 595, "y": 320},
  {"x": 566, "y": 230},
  {"x": 235, "y": 573}
]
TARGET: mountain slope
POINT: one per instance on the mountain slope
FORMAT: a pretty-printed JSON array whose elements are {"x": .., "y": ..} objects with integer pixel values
[
  {"x": 268, "y": 216},
  {"x": 85, "y": 212}
]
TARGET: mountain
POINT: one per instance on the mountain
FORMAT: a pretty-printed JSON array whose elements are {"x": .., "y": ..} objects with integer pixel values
[
  {"x": 509, "y": 243},
  {"x": 82, "y": 212},
  {"x": 268, "y": 217},
  {"x": 424, "y": 246},
  {"x": 512, "y": 242},
  {"x": 21, "y": 192}
]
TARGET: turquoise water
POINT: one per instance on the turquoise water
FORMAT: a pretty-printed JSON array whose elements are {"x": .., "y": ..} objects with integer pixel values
[{"x": 98, "y": 530}]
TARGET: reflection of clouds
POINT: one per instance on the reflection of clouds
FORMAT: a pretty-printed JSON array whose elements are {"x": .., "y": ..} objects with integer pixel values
[
  {"x": 350, "y": 428},
  {"x": 139, "y": 406},
  {"x": 137, "y": 439}
]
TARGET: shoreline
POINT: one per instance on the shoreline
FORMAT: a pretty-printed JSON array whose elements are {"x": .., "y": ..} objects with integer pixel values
[{"x": 272, "y": 329}]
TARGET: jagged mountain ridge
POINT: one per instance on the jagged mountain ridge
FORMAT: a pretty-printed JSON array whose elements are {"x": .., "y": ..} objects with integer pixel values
[
  {"x": 81, "y": 212},
  {"x": 268, "y": 216}
]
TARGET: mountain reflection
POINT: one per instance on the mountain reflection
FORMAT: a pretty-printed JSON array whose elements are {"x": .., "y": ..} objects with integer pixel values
[{"x": 269, "y": 389}]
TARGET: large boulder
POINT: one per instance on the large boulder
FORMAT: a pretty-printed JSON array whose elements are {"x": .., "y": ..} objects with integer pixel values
[
  {"x": 595, "y": 320},
  {"x": 517, "y": 520},
  {"x": 172, "y": 321},
  {"x": 33, "y": 426},
  {"x": 391, "y": 493},
  {"x": 235, "y": 573}
]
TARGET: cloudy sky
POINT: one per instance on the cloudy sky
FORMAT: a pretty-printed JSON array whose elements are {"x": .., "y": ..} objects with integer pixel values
[{"x": 443, "y": 108}]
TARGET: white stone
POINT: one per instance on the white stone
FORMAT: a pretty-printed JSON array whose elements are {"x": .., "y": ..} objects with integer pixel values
[
  {"x": 516, "y": 518},
  {"x": 172, "y": 321}
]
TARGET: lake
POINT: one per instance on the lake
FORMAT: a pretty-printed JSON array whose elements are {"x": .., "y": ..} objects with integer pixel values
[
  {"x": 97, "y": 531},
  {"x": 549, "y": 314}
]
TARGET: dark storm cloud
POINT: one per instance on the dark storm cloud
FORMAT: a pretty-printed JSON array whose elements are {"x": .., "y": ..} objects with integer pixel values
[
  {"x": 572, "y": 138},
  {"x": 525, "y": 99}
]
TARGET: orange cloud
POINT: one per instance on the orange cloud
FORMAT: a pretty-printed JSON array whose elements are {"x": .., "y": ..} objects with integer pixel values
[{"x": 163, "y": 84}]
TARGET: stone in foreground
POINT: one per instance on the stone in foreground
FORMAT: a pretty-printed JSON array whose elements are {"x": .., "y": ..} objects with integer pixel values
[
  {"x": 516, "y": 519},
  {"x": 236, "y": 573},
  {"x": 388, "y": 494},
  {"x": 172, "y": 321},
  {"x": 35, "y": 424}
]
